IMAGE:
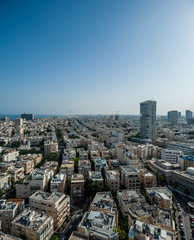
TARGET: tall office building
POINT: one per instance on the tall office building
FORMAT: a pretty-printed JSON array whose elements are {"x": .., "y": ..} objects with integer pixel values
[
  {"x": 27, "y": 116},
  {"x": 179, "y": 114},
  {"x": 148, "y": 120},
  {"x": 188, "y": 114},
  {"x": 173, "y": 117}
]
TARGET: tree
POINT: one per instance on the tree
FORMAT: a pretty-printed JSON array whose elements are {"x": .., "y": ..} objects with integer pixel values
[
  {"x": 15, "y": 144},
  {"x": 53, "y": 157},
  {"x": 122, "y": 233}
]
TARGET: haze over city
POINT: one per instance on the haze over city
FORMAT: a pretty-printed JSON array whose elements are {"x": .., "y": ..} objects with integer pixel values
[{"x": 96, "y": 57}]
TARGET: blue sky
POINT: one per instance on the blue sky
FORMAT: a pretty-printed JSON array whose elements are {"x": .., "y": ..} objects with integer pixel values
[{"x": 99, "y": 56}]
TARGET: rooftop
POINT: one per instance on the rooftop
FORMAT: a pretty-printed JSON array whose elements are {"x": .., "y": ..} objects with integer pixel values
[
  {"x": 45, "y": 196},
  {"x": 32, "y": 220}
]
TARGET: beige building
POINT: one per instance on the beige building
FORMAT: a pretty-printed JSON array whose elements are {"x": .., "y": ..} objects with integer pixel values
[
  {"x": 161, "y": 196},
  {"x": 95, "y": 176},
  {"x": 126, "y": 197},
  {"x": 130, "y": 177},
  {"x": 32, "y": 225},
  {"x": 5, "y": 181},
  {"x": 51, "y": 165},
  {"x": 54, "y": 204},
  {"x": 104, "y": 202},
  {"x": 8, "y": 211},
  {"x": 67, "y": 167},
  {"x": 113, "y": 179},
  {"x": 50, "y": 147},
  {"x": 36, "y": 158},
  {"x": 58, "y": 183},
  {"x": 147, "y": 178},
  {"x": 77, "y": 187},
  {"x": 84, "y": 166},
  {"x": 16, "y": 173},
  {"x": 94, "y": 154},
  {"x": 37, "y": 180},
  {"x": 28, "y": 166}
]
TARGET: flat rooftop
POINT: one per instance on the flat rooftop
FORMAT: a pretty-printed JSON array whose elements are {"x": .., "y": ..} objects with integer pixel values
[{"x": 45, "y": 196}]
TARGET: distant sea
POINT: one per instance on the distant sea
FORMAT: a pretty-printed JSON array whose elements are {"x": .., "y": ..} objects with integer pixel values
[{"x": 12, "y": 117}]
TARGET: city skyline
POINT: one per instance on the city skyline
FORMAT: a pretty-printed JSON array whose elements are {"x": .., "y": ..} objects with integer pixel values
[{"x": 96, "y": 57}]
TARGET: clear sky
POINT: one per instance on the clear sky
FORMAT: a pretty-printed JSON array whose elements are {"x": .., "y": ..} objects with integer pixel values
[{"x": 96, "y": 56}]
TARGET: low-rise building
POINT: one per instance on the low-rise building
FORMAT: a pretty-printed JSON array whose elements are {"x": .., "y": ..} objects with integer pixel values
[
  {"x": 100, "y": 163},
  {"x": 36, "y": 158},
  {"x": 32, "y": 225},
  {"x": 144, "y": 231},
  {"x": 104, "y": 202},
  {"x": 98, "y": 225},
  {"x": 37, "y": 180},
  {"x": 8, "y": 211},
  {"x": 184, "y": 180},
  {"x": 164, "y": 168},
  {"x": 126, "y": 197},
  {"x": 16, "y": 173},
  {"x": 50, "y": 147},
  {"x": 58, "y": 183},
  {"x": 113, "y": 179},
  {"x": 67, "y": 167},
  {"x": 161, "y": 196},
  {"x": 10, "y": 155},
  {"x": 55, "y": 204},
  {"x": 147, "y": 178},
  {"x": 130, "y": 177},
  {"x": 114, "y": 164},
  {"x": 170, "y": 155},
  {"x": 69, "y": 154},
  {"x": 77, "y": 187},
  {"x": 5, "y": 181},
  {"x": 95, "y": 176},
  {"x": 84, "y": 166}
]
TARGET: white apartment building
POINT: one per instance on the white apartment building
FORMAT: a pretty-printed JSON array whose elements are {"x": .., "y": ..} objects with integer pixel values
[
  {"x": 186, "y": 148},
  {"x": 171, "y": 156},
  {"x": 69, "y": 154},
  {"x": 67, "y": 167},
  {"x": 113, "y": 179},
  {"x": 58, "y": 183},
  {"x": 11, "y": 155}
]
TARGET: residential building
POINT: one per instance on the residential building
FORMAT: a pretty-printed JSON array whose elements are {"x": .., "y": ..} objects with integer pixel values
[
  {"x": 10, "y": 155},
  {"x": 32, "y": 225},
  {"x": 84, "y": 166},
  {"x": 147, "y": 179},
  {"x": 55, "y": 204},
  {"x": 186, "y": 161},
  {"x": 94, "y": 154},
  {"x": 98, "y": 225},
  {"x": 144, "y": 231},
  {"x": 95, "y": 176},
  {"x": 58, "y": 183},
  {"x": 50, "y": 147},
  {"x": 170, "y": 155},
  {"x": 130, "y": 177},
  {"x": 184, "y": 180},
  {"x": 100, "y": 163},
  {"x": 187, "y": 149},
  {"x": 5, "y": 181},
  {"x": 104, "y": 202},
  {"x": 77, "y": 187},
  {"x": 69, "y": 154},
  {"x": 67, "y": 167},
  {"x": 148, "y": 120},
  {"x": 37, "y": 180},
  {"x": 161, "y": 196},
  {"x": 113, "y": 179},
  {"x": 16, "y": 173},
  {"x": 164, "y": 168},
  {"x": 8, "y": 211},
  {"x": 126, "y": 197}
]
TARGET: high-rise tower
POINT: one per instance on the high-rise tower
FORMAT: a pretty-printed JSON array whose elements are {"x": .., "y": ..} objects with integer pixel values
[{"x": 148, "y": 120}]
